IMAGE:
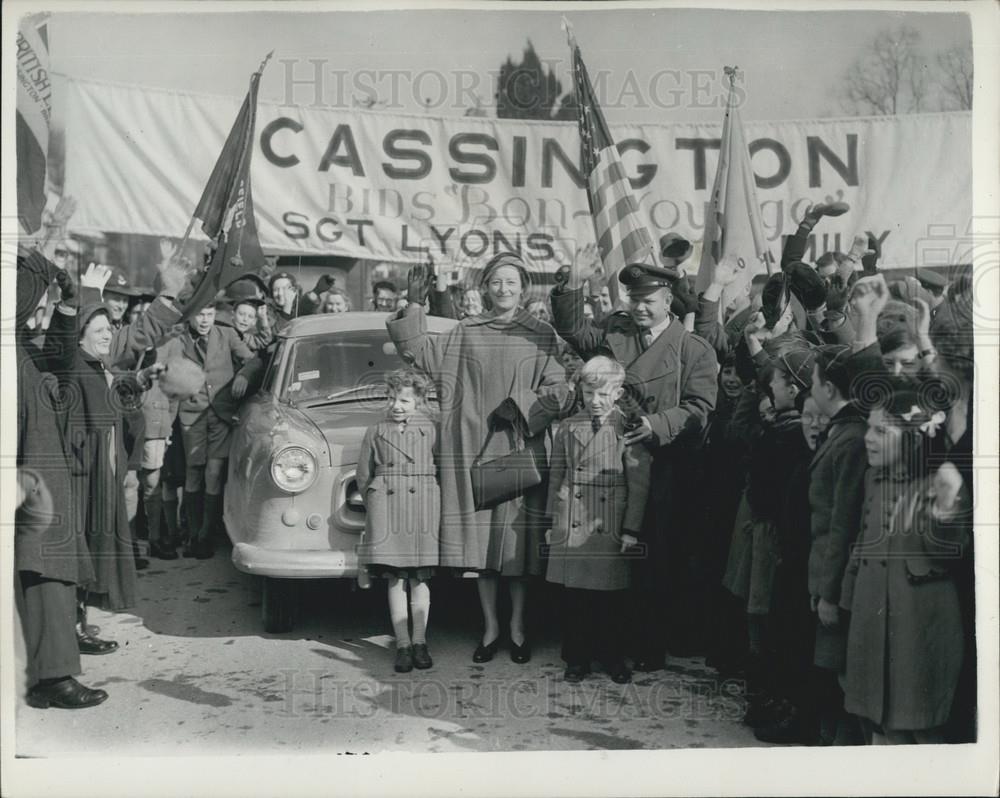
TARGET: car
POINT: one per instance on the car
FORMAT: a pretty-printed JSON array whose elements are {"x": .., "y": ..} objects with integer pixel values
[{"x": 292, "y": 506}]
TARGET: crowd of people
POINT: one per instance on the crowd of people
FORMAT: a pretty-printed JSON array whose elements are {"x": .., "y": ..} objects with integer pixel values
[{"x": 776, "y": 478}]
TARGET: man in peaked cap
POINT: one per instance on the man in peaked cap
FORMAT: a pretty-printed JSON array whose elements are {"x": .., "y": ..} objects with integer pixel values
[
  {"x": 671, "y": 389},
  {"x": 934, "y": 284}
]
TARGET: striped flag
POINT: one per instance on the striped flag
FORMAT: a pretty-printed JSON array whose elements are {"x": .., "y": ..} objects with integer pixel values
[
  {"x": 732, "y": 220},
  {"x": 34, "y": 111},
  {"x": 622, "y": 237},
  {"x": 226, "y": 208}
]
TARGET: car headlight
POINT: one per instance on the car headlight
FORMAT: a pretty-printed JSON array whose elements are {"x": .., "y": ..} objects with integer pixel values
[{"x": 293, "y": 469}]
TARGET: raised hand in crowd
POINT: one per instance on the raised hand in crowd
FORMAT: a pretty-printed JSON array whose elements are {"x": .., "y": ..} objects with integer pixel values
[
  {"x": 55, "y": 225},
  {"x": 168, "y": 251},
  {"x": 96, "y": 276},
  {"x": 419, "y": 279},
  {"x": 868, "y": 297},
  {"x": 324, "y": 284},
  {"x": 723, "y": 275},
  {"x": 173, "y": 276},
  {"x": 67, "y": 288},
  {"x": 585, "y": 264}
]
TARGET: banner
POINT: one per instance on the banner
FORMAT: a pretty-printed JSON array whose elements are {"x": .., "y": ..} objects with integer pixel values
[
  {"x": 32, "y": 118},
  {"x": 393, "y": 186}
]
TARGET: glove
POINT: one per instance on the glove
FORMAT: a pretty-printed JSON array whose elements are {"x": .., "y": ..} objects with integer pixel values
[
  {"x": 685, "y": 299},
  {"x": 808, "y": 287},
  {"x": 869, "y": 261},
  {"x": 67, "y": 288},
  {"x": 561, "y": 277},
  {"x": 324, "y": 284},
  {"x": 418, "y": 284},
  {"x": 631, "y": 403}
]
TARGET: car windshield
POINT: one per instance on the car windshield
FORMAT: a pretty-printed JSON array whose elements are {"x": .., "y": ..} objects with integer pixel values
[{"x": 346, "y": 366}]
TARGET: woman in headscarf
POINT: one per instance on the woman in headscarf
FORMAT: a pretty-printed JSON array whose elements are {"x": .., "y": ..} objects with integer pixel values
[{"x": 499, "y": 384}]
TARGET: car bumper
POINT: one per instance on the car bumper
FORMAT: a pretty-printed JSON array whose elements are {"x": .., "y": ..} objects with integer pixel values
[{"x": 294, "y": 563}]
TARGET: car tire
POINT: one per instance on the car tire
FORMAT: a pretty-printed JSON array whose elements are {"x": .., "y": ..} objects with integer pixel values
[{"x": 277, "y": 606}]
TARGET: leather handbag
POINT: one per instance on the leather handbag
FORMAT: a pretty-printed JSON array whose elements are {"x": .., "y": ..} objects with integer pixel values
[{"x": 506, "y": 477}]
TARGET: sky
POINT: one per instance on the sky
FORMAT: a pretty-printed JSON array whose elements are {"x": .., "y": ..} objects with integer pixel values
[{"x": 659, "y": 65}]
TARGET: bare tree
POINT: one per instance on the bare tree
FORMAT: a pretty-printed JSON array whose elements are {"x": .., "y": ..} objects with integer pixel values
[
  {"x": 955, "y": 65},
  {"x": 892, "y": 78}
]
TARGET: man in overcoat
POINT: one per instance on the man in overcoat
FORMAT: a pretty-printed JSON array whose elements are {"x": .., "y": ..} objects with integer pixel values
[{"x": 672, "y": 376}]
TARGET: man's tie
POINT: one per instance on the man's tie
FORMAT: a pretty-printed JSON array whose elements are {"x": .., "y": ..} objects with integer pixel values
[
  {"x": 201, "y": 347},
  {"x": 595, "y": 423},
  {"x": 647, "y": 339}
]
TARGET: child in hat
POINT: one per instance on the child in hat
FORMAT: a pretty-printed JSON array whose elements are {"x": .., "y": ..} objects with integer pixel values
[
  {"x": 397, "y": 477},
  {"x": 597, "y": 497}
]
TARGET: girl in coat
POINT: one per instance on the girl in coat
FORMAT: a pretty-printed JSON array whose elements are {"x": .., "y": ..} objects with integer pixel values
[
  {"x": 904, "y": 644},
  {"x": 398, "y": 480},
  {"x": 597, "y": 497}
]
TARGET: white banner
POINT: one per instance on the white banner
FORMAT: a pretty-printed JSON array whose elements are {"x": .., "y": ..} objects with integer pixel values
[{"x": 391, "y": 186}]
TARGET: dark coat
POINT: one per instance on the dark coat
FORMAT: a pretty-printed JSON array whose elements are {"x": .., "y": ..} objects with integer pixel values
[
  {"x": 905, "y": 642},
  {"x": 836, "y": 494},
  {"x": 397, "y": 477},
  {"x": 55, "y": 547},
  {"x": 99, "y": 459},
  {"x": 477, "y": 366},
  {"x": 597, "y": 492},
  {"x": 677, "y": 377}
]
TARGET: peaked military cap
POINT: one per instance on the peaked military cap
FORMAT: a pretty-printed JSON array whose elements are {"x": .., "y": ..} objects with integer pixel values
[{"x": 643, "y": 277}]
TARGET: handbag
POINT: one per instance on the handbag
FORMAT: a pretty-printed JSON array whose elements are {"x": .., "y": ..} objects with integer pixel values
[{"x": 508, "y": 476}]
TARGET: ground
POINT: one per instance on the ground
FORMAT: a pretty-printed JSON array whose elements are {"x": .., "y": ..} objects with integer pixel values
[{"x": 196, "y": 674}]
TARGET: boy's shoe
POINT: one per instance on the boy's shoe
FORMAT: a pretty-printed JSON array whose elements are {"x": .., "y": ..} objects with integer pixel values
[
  {"x": 576, "y": 673},
  {"x": 761, "y": 711},
  {"x": 66, "y": 693},
  {"x": 421, "y": 657},
  {"x": 162, "y": 551},
  {"x": 619, "y": 673},
  {"x": 404, "y": 659},
  {"x": 789, "y": 729}
]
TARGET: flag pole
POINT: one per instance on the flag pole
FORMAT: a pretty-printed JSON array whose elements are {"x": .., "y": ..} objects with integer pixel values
[{"x": 190, "y": 227}]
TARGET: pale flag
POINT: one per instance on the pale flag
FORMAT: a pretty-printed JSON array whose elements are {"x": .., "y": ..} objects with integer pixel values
[{"x": 732, "y": 219}]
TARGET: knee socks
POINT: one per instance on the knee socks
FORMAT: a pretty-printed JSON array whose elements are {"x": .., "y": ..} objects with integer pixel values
[
  {"x": 420, "y": 608},
  {"x": 398, "y": 612}
]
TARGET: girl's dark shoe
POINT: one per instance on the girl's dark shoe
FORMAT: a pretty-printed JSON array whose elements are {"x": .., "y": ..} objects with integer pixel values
[
  {"x": 484, "y": 653},
  {"x": 94, "y": 645},
  {"x": 404, "y": 659},
  {"x": 66, "y": 693},
  {"x": 421, "y": 657},
  {"x": 520, "y": 653},
  {"x": 619, "y": 673},
  {"x": 162, "y": 551},
  {"x": 575, "y": 673}
]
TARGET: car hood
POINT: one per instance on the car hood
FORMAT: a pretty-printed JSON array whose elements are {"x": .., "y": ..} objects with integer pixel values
[{"x": 342, "y": 426}]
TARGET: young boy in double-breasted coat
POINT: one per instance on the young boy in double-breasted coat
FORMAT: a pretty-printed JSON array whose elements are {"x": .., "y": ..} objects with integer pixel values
[{"x": 597, "y": 497}]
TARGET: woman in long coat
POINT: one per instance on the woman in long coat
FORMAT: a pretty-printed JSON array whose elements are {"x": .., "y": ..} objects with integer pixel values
[
  {"x": 96, "y": 403},
  {"x": 904, "y": 641},
  {"x": 499, "y": 384}
]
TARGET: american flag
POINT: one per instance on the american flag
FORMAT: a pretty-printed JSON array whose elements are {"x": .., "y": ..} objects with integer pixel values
[{"x": 622, "y": 237}]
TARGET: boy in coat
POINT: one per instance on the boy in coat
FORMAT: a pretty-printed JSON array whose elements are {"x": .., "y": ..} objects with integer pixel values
[
  {"x": 207, "y": 420},
  {"x": 671, "y": 379},
  {"x": 836, "y": 496},
  {"x": 597, "y": 497}
]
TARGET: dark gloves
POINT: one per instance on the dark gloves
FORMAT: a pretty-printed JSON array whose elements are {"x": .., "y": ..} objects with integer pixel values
[
  {"x": 806, "y": 284},
  {"x": 561, "y": 277},
  {"x": 67, "y": 288},
  {"x": 685, "y": 299},
  {"x": 418, "y": 284},
  {"x": 324, "y": 283},
  {"x": 507, "y": 413},
  {"x": 632, "y": 403},
  {"x": 869, "y": 261}
]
